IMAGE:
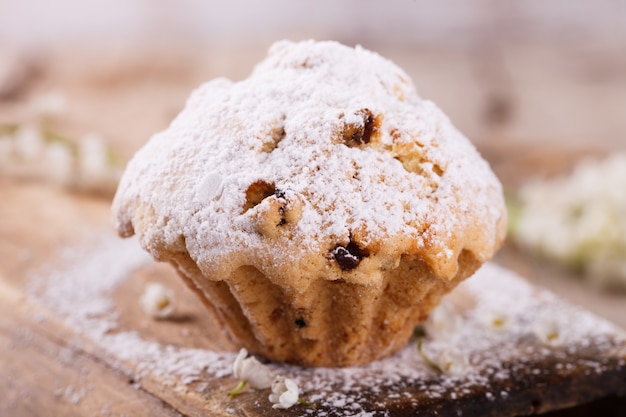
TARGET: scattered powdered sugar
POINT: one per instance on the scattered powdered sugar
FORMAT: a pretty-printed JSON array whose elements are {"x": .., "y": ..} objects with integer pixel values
[
  {"x": 81, "y": 294},
  {"x": 481, "y": 353}
]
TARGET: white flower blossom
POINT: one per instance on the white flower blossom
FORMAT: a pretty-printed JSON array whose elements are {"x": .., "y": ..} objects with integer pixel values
[
  {"x": 453, "y": 362},
  {"x": 549, "y": 332},
  {"x": 59, "y": 163},
  {"x": 6, "y": 148},
  {"x": 29, "y": 143},
  {"x": 251, "y": 371},
  {"x": 496, "y": 320},
  {"x": 157, "y": 301},
  {"x": 50, "y": 104},
  {"x": 443, "y": 323},
  {"x": 92, "y": 159},
  {"x": 579, "y": 219},
  {"x": 285, "y": 392}
]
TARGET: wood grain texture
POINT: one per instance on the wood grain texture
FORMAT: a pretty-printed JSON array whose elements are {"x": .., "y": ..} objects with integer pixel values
[{"x": 44, "y": 374}]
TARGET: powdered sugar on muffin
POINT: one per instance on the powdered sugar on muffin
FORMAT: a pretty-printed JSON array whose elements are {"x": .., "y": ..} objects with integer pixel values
[{"x": 324, "y": 164}]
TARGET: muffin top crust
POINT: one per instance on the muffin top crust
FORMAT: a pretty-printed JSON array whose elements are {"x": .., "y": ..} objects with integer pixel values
[{"x": 323, "y": 164}]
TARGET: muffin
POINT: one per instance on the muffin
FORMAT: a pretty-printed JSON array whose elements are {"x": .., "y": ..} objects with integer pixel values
[{"x": 320, "y": 207}]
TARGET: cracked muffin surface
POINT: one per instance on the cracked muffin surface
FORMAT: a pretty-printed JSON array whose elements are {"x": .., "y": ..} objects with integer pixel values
[{"x": 320, "y": 207}]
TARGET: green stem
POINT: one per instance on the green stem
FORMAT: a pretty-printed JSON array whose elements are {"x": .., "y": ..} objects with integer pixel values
[
  {"x": 306, "y": 403},
  {"x": 432, "y": 365},
  {"x": 8, "y": 128},
  {"x": 237, "y": 389}
]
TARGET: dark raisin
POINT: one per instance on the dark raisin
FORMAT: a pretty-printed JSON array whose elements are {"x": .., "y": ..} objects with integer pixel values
[
  {"x": 345, "y": 259},
  {"x": 354, "y": 135},
  {"x": 281, "y": 210},
  {"x": 368, "y": 126},
  {"x": 348, "y": 257},
  {"x": 300, "y": 323}
]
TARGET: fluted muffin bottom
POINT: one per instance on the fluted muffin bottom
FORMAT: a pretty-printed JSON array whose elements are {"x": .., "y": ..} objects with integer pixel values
[{"x": 334, "y": 323}]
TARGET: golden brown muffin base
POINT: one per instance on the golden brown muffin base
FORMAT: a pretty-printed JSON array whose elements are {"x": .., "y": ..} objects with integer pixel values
[{"x": 334, "y": 323}]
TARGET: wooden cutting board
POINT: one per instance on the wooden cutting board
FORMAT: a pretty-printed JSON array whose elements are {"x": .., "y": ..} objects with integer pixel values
[{"x": 74, "y": 340}]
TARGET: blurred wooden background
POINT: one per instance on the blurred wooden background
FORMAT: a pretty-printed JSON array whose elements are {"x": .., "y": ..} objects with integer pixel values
[
  {"x": 508, "y": 73},
  {"x": 536, "y": 85}
]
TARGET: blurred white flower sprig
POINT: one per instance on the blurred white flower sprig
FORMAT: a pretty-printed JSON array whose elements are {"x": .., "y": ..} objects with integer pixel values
[
  {"x": 444, "y": 325},
  {"x": 549, "y": 332},
  {"x": 34, "y": 150},
  {"x": 578, "y": 220}
]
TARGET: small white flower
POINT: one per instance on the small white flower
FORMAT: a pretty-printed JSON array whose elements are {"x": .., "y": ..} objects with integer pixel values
[
  {"x": 285, "y": 393},
  {"x": 251, "y": 371},
  {"x": 6, "y": 148},
  {"x": 496, "y": 320},
  {"x": 52, "y": 103},
  {"x": 549, "y": 332},
  {"x": 92, "y": 159},
  {"x": 59, "y": 163},
  {"x": 443, "y": 323},
  {"x": 453, "y": 362},
  {"x": 157, "y": 300},
  {"x": 29, "y": 143}
]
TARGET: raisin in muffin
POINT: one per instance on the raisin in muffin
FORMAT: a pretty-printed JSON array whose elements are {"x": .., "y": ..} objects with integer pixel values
[{"x": 320, "y": 207}]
